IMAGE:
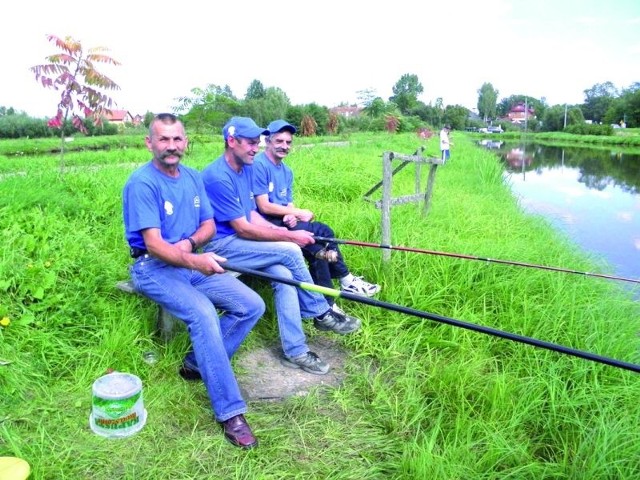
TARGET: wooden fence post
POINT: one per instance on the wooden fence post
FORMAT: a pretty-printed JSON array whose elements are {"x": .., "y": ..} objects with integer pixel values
[{"x": 388, "y": 201}]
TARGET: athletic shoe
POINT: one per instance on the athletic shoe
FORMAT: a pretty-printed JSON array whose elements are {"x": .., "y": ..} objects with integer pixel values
[
  {"x": 337, "y": 322},
  {"x": 330, "y": 256},
  {"x": 189, "y": 373},
  {"x": 359, "y": 287},
  {"x": 309, "y": 362}
]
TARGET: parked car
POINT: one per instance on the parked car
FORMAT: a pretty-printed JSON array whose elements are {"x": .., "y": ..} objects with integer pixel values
[
  {"x": 483, "y": 130},
  {"x": 494, "y": 129}
]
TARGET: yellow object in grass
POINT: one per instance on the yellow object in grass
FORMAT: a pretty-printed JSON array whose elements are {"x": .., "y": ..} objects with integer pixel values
[{"x": 13, "y": 468}]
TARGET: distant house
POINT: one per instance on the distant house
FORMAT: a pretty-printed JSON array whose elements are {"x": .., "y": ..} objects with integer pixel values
[
  {"x": 346, "y": 111},
  {"x": 517, "y": 113},
  {"x": 119, "y": 117}
]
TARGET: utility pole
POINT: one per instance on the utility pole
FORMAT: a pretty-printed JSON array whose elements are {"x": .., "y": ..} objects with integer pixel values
[{"x": 565, "y": 115}]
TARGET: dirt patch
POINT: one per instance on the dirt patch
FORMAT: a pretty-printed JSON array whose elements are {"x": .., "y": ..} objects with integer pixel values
[{"x": 262, "y": 377}]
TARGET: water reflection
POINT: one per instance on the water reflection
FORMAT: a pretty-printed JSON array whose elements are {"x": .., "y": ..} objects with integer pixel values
[{"x": 590, "y": 194}]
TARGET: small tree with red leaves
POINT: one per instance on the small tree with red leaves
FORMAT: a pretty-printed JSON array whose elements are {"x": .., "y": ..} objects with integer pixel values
[
  {"x": 74, "y": 73},
  {"x": 391, "y": 123}
]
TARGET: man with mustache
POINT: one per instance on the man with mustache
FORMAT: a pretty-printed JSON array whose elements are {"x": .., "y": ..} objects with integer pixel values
[
  {"x": 166, "y": 217},
  {"x": 273, "y": 190},
  {"x": 247, "y": 240}
]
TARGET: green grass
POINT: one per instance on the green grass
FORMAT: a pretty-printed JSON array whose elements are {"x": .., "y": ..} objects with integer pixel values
[{"x": 421, "y": 399}]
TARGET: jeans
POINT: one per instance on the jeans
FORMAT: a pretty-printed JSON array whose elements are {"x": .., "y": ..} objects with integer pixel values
[
  {"x": 193, "y": 297},
  {"x": 285, "y": 260},
  {"x": 321, "y": 271}
]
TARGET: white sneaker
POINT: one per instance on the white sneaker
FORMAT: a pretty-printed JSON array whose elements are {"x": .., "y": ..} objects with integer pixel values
[
  {"x": 337, "y": 309},
  {"x": 359, "y": 287}
]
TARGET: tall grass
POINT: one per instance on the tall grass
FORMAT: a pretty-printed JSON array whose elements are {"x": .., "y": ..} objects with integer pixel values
[{"x": 421, "y": 399}]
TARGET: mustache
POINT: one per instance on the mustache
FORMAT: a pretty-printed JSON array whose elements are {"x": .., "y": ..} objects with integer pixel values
[{"x": 172, "y": 153}]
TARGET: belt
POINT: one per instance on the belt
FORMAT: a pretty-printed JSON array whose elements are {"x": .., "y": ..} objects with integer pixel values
[{"x": 137, "y": 252}]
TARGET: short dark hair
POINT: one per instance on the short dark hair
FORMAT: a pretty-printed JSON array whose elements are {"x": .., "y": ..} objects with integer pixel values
[{"x": 166, "y": 118}]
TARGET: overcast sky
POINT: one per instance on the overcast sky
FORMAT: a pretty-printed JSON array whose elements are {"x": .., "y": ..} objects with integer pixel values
[{"x": 327, "y": 51}]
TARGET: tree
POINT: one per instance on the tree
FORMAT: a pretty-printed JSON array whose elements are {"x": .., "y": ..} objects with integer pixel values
[
  {"x": 273, "y": 104},
  {"x": 208, "y": 107},
  {"x": 406, "y": 91},
  {"x": 308, "y": 126},
  {"x": 553, "y": 117},
  {"x": 391, "y": 123},
  {"x": 366, "y": 97},
  {"x": 75, "y": 73},
  {"x": 4, "y": 111},
  {"x": 333, "y": 124},
  {"x": 487, "y": 99},
  {"x": 456, "y": 116},
  {"x": 597, "y": 100},
  {"x": 255, "y": 91}
]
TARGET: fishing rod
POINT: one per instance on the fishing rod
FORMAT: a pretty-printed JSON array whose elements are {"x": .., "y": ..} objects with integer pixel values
[
  {"x": 472, "y": 257},
  {"x": 438, "y": 318}
]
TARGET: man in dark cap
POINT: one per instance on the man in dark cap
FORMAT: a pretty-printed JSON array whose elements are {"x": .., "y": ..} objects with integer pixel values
[{"x": 273, "y": 190}]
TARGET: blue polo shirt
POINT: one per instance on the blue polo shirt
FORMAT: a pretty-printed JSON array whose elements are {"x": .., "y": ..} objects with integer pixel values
[
  {"x": 271, "y": 179},
  {"x": 151, "y": 199},
  {"x": 230, "y": 194}
]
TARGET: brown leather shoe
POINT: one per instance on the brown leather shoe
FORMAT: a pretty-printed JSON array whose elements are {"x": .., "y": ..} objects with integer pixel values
[{"x": 239, "y": 433}]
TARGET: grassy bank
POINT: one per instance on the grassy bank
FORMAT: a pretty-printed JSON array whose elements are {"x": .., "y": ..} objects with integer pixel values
[
  {"x": 628, "y": 138},
  {"x": 421, "y": 400}
]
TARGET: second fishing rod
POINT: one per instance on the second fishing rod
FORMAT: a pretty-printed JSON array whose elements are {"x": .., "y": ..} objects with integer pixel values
[{"x": 473, "y": 257}]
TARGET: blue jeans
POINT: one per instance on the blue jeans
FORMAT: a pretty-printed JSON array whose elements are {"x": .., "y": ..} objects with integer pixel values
[
  {"x": 193, "y": 297},
  {"x": 285, "y": 260},
  {"x": 322, "y": 272}
]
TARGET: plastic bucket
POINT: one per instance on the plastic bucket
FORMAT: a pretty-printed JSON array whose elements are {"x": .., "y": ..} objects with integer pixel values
[{"x": 117, "y": 409}]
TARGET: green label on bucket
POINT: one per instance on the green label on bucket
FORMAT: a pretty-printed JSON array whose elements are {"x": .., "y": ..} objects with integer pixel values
[
  {"x": 115, "y": 408},
  {"x": 118, "y": 423}
]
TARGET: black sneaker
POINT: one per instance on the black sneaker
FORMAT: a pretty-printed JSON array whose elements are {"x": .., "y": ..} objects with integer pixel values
[
  {"x": 337, "y": 322},
  {"x": 309, "y": 362},
  {"x": 189, "y": 374}
]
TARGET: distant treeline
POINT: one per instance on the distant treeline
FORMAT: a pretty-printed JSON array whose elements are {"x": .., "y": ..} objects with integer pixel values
[{"x": 20, "y": 125}]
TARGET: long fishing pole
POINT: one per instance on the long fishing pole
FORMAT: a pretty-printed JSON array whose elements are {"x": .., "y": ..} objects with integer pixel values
[
  {"x": 438, "y": 318},
  {"x": 472, "y": 257}
]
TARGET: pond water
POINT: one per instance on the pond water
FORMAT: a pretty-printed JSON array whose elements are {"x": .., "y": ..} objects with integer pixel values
[{"x": 592, "y": 195}]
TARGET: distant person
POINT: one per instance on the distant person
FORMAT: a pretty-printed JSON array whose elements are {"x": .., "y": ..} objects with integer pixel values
[
  {"x": 247, "y": 240},
  {"x": 445, "y": 143},
  {"x": 273, "y": 190},
  {"x": 167, "y": 217}
]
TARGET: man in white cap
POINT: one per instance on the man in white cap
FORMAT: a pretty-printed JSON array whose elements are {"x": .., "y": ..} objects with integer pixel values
[
  {"x": 246, "y": 239},
  {"x": 273, "y": 190}
]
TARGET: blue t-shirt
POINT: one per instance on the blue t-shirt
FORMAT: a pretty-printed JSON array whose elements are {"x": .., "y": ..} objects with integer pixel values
[
  {"x": 151, "y": 199},
  {"x": 230, "y": 194},
  {"x": 271, "y": 179}
]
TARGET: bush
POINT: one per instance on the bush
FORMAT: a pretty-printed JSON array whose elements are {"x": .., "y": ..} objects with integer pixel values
[
  {"x": 23, "y": 126},
  {"x": 589, "y": 129}
]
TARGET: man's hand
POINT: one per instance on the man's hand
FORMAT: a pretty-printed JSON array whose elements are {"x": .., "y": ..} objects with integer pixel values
[
  {"x": 290, "y": 220},
  {"x": 304, "y": 215},
  {"x": 302, "y": 238},
  {"x": 208, "y": 263}
]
